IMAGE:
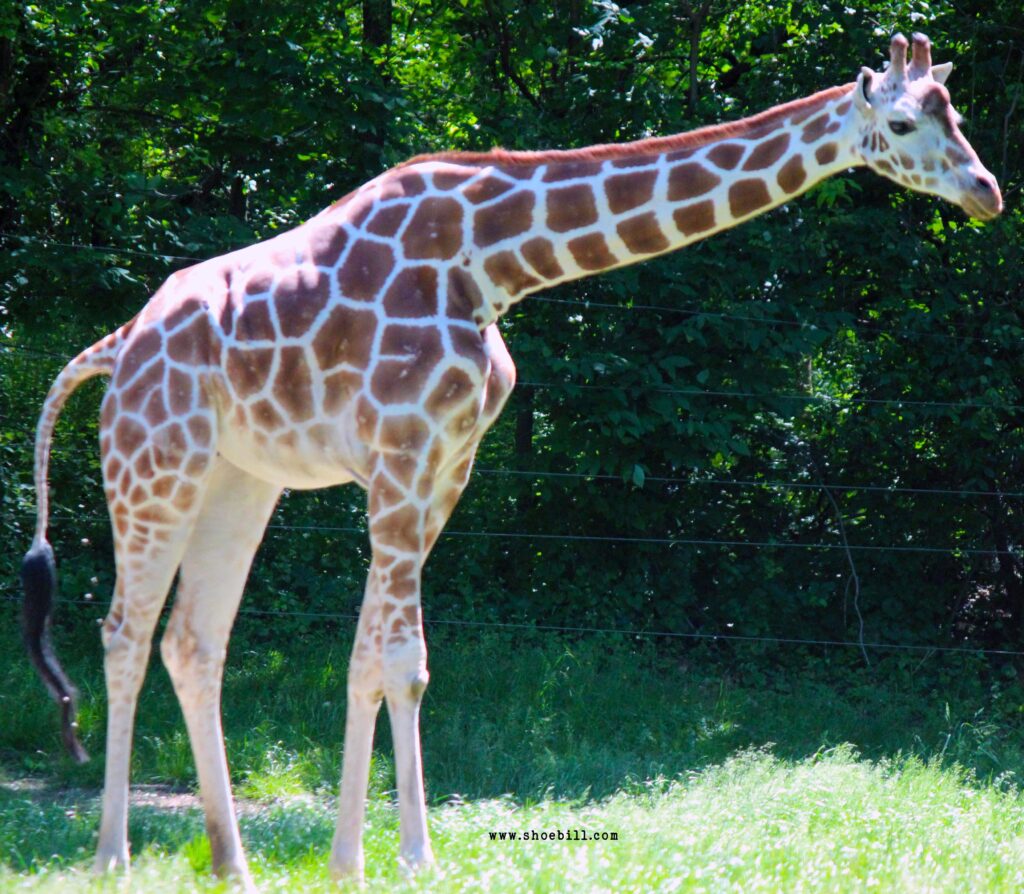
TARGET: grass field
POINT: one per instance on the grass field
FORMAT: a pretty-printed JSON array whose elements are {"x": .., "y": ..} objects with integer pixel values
[{"x": 714, "y": 774}]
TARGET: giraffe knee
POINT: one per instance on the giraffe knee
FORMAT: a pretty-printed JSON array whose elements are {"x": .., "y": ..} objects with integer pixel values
[
  {"x": 405, "y": 673},
  {"x": 406, "y": 686},
  {"x": 187, "y": 658}
]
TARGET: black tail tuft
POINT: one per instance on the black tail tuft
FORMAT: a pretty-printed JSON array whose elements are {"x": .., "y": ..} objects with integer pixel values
[{"x": 39, "y": 580}]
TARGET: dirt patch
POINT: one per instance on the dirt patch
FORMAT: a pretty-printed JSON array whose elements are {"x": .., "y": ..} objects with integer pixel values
[{"x": 156, "y": 797}]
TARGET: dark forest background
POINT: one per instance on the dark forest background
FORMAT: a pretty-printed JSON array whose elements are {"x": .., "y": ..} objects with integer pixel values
[{"x": 721, "y": 421}]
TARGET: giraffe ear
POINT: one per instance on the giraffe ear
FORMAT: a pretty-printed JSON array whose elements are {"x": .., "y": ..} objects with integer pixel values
[
  {"x": 941, "y": 72},
  {"x": 864, "y": 89}
]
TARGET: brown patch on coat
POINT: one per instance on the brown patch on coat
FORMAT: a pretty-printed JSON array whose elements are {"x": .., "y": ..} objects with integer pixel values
[
  {"x": 407, "y": 183},
  {"x": 339, "y": 389},
  {"x": 108, "y": 409},
  {"x": 642, "y": 234},
  {"x": 469, "y": 344},
  {"x": 387, "y": 221},
  {"x": 413, "y": 293},
  {"x": 365, "y": 270},
  {"x": 767, "y": 153},
  {"x": 507, "y": 273},
  {"x": 463, "y": 297},
  {"x": 149, "y": 380},
  {"x": 815, "y": 129},
  {"x": 163, "y": 487},
  {"x": 179, "y": 390},
  {"x": 747, "y": 196},
  {"x": 399, "y": 529},
  {"x": 628, "y": 191},
  {"x": 571, "y": 207},
  {"x": 253, "y": 323},
  {"x": 169, "y": 445},
  {"x": 636, "y": 161},
  {"x": 826, "y": 153},
  {"x": 696, "y": 218},
  {"x": 435, "y": 231},
  {"x": 569, "y": 170},
  {"x": 792, "y": 175},
  {"x": 455, "y": 386},
  {"x": 726, "y": 155},
  {"x": 260, "y": 282},
  {"x": 155, "y": 410},
  {"x": 346, "y": 336},
  {"x": 405, "y": 433},
  {"x": 293, "y": 387},
  {"x": 301, "y": 294},
  {"x": 417, "y": 351},
  {"x": 591, "y": 252},
  {"x": 401, "y": 466},
  {"x": 540, "y": 255},
  {"x": 906, "y": 161},
  {"x": 405, "y": 580},
  {"x": 485, "y": 189},
  {"x": 502, "y": 220},
  {"x": 144, "y": 466},
  {"x": 248, "y": 370},
  {"x": 326, "y": 243},
  {"x": 265, "y": 415},
  {"x": 957, "y": 156},
  {"x": 445, "y": 180},
  {"x": 199, "y": 430},
  {"x": 686, "y": 181},
  {"x": 136, "y": 355},
  {"x": 383, "y": 494},
  {"x": 366, "y": 419}
]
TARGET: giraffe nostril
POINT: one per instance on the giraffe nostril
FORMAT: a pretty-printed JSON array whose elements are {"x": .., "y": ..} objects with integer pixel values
[{"x": 985, "y": 184}]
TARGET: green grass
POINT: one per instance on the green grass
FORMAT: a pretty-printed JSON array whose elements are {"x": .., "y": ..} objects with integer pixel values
[
  {"x": 719, "y": 772},
  {"x": 835, "y": 822}
]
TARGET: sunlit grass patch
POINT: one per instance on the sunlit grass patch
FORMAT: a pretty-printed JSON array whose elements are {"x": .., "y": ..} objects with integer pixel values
[{"x": 754, "y": 823}]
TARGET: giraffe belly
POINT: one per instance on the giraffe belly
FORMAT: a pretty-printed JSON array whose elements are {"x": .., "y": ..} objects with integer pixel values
[{"x": 321, "y": 454}]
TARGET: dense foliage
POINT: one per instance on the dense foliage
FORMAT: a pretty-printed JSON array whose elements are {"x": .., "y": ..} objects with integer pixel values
[{"x": 861, "y": 337}]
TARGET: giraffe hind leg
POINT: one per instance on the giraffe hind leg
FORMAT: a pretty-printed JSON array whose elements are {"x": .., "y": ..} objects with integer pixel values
[
  {"x": 147, "y": 554},
  {"x": 235, "y": 509}
]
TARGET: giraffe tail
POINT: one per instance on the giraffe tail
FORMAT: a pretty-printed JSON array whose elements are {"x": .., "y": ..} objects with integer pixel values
[{"x": 38, "y": 569}]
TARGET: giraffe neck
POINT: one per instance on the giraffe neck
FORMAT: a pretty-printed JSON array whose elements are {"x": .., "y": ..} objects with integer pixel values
[{"x": 566, "y": 215}]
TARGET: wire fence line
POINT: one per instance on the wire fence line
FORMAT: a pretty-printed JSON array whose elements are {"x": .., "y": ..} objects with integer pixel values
[
  {"x": 641, "y": 388},
  {"x": 632, "y": 307},
  {"x": 357, "y": 530},
  {"x": 12, "y": 597}
]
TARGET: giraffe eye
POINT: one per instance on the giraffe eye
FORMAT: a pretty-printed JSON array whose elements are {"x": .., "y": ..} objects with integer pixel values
[{"x": 900, "y": 128}]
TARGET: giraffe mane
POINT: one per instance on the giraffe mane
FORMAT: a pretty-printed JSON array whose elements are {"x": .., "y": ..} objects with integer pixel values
[{"x": 751, "y": 127}]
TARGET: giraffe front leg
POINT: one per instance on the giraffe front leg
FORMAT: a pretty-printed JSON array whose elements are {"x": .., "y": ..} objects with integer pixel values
[
  {"x": 365, "y": 692},
  {"x": 405, "y": 681}
]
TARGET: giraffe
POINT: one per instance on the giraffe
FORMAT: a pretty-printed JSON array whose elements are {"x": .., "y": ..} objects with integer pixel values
[{"x": 362, "y": 347}]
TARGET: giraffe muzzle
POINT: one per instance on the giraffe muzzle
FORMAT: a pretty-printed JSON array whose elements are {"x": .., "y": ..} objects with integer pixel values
[{"x": 982, "y": 198}]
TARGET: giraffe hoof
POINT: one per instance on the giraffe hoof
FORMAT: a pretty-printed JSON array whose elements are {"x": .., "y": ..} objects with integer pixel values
[
  {"x": 346, "y": 869},
  {"x": 236, "y": 873},
  {"x": 108, "y": 862},
  {"x": 414, "y": 860}
]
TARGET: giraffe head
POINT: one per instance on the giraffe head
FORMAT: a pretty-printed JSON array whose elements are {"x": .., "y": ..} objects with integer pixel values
[{"x": 909, "y": 132}]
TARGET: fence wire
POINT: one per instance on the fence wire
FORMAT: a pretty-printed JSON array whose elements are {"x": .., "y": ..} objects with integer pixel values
[{"x": 352, "y": 617}]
